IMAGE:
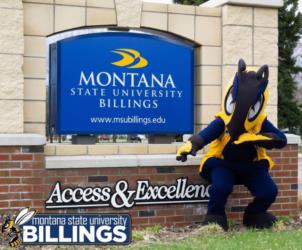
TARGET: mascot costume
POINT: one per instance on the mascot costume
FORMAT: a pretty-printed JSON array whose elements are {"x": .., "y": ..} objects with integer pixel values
[{"x": 239, "y": 136}]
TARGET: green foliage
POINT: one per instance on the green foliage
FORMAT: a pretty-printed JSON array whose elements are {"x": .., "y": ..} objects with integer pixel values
[
  {"x": 138, "y": 235},
  {"x": 290, "y": 25},
  {"x": 190, "y": 2},
  {"x": 210, "y": 229},
  {"x": 155, "y": 229},
  {"x": 285, "y": 219},
  {"x": 232, "y": 224},
  {"x": 278, "y": 226}
]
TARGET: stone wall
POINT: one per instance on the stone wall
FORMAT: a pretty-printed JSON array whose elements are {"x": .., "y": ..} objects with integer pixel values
[
  {"x": 202, "y": 25},
  {"x": 24, "y": 181},
  {"x": 254, "y": 32},
  {"x": 217, "y": 30},
  {"x": 41, "y": 19},
  {"x": 11, "y": 60}
]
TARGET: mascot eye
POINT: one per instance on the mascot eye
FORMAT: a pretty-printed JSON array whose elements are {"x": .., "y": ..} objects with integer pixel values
[
  {"x": 255, "y": 109},
  {"x": 229, "y": 104}
]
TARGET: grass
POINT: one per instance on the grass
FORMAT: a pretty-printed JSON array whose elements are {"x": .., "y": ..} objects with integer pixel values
[
  {"x": 300, "y": 149},
  {"x": 247, "y": 240},
  {"x": 138, "y": 235}
]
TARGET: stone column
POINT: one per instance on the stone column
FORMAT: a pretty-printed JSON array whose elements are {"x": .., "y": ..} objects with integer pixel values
[
  {"x": 250, "y": 31},
  {"x": 11, "y": 61},
  {"x": 128, "y": 12}
]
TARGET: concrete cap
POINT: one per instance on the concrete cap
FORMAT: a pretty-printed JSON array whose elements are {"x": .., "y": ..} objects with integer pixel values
[
  {"x": 22, "y": 140},
  {"x": 260, "y": 3},
  {"x": 293, "y": 139},
  {"x": 61, "y": 162}
]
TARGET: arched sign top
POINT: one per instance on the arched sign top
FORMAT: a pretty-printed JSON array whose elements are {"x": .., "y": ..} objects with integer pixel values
[
  {"x": 172, "y": 37},
  {"x": 122, "y": 83}
]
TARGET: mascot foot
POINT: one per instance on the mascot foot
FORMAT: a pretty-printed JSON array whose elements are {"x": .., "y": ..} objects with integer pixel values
[
  {"x": 263, "y": 220},
  {"x": 221, "y": 220}
]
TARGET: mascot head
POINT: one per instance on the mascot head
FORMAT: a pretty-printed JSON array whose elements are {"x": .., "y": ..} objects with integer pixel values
[{"x": 245, "y": 100}]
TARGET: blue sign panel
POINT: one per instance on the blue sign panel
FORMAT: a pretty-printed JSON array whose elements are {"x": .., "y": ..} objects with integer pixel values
[{"x": 122, "y": 82}]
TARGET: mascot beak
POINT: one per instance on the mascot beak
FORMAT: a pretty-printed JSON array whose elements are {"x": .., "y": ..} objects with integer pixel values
[{"x": 247, "y": 91}]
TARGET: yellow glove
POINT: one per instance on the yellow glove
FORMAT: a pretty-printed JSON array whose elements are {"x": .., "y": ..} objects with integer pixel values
[
  {"x": 191, "y": 147},
  {"x": 183, "y": 151}
]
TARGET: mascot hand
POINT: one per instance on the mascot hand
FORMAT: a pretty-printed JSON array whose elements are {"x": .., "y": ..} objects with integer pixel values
[{"x": 191, "y": 147}]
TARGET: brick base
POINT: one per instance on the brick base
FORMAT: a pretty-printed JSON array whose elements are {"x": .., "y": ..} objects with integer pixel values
[{"x": 24, "y": 181}]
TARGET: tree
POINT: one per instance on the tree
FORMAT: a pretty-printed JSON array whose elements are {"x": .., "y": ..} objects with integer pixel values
[
  {"x": 190, "y": 2},
  {"x": 290, "y": 30}
]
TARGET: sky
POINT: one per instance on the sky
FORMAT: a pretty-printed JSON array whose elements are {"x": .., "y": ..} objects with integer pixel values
[{"x": 170, "y": 1}]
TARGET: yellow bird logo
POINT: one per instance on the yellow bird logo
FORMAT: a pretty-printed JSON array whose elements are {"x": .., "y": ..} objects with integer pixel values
[{"x": 132, "y": 59}]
